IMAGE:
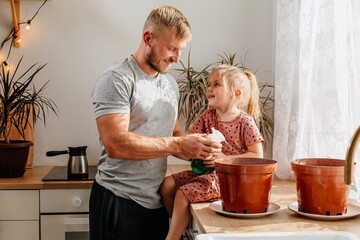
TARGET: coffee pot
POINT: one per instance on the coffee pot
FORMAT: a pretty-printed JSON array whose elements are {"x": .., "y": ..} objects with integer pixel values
[{"x": 77, "y": 166}]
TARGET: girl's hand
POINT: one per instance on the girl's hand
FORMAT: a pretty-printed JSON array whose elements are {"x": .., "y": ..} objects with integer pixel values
[
  {"x": 220, "y": 155},
  {"x": 209, "y": 163}
]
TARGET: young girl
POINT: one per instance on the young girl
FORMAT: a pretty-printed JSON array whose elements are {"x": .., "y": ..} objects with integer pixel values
[{"x": 234, "y": 98}]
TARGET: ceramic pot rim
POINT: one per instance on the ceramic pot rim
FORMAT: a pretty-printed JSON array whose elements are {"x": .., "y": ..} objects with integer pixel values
[
  {"x": 16, "y": 144},
  {"x": 245, "y": 161},
  {"x": 316, "y": 167},
  {"x": 245, "y": 165}
]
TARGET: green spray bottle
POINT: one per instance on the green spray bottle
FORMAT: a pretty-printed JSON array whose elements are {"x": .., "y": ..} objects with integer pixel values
[{"x": 197, "y": 165}]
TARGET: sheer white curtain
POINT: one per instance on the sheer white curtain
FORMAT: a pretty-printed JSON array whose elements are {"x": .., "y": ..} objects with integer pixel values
[{"x": 317, "y": 80}]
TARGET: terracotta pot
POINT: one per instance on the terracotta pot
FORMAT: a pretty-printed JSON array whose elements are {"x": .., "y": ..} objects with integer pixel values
[
  {"x": 13, "y": 158},
  {"x": 245, "y": 183},
  {"x": 320, "y": 186}
]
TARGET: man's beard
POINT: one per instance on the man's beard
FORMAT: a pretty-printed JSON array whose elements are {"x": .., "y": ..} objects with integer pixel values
[{"x": 150, "y": 60}]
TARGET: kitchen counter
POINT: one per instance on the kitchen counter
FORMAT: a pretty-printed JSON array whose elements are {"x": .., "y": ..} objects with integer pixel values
[
  {"x": 32, "y": 180},
  {"x": 283, "y": 193}
]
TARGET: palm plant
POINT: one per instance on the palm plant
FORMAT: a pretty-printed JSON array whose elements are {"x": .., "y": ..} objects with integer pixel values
[
  {"x": 193, "y": 85},
  {"x": 19, "y": 99}
]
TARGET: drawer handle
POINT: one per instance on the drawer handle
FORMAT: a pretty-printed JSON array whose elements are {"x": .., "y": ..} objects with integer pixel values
[
  {"x": 76, "y": 224},
  {"x": 76, "y": 221},
  {"x": 76, "y": 202}
]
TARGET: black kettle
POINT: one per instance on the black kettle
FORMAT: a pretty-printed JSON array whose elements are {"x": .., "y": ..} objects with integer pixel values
[{"x": 77, "y": 165}]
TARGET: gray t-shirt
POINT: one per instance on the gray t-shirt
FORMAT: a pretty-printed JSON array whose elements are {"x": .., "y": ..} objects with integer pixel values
[{"x": 152, "y": 105}]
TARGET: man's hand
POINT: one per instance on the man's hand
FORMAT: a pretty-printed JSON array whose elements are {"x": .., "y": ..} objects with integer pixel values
[{"x": 198, "y": 146}]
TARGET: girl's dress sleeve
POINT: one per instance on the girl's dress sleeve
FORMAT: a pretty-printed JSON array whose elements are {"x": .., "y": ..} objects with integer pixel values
[
  {"x": 251, "y": 132},
  {"x": 199, "y": 125}
]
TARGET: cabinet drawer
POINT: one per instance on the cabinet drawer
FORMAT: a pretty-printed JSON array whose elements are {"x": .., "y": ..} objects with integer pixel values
[
  {"x": 15, "y": 230},
  {"x": 19, "y": 205},
  {"x": 64, "y": 200}
]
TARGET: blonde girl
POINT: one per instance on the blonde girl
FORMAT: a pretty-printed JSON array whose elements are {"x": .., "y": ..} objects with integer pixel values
[{"x": 234, "y": 98}]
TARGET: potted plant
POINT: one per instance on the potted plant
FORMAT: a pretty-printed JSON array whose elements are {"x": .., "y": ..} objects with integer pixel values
[
  {"x": 21, "y": 104},
  {"x": 193, "y": 84}
]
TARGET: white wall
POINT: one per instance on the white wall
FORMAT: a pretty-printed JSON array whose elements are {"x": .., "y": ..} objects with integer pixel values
[{"x": 80, "y": 38}]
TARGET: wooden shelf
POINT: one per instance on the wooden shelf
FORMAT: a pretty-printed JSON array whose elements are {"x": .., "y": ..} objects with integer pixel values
[{"x": 15, "y": 9}]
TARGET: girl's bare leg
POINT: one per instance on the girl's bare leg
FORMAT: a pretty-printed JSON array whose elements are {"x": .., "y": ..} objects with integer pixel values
[
  {"x": 167, "y": 191},
  {"x": 180, "y": 217}
]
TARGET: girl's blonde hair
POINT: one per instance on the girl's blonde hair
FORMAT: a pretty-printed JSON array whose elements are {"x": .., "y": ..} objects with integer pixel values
[
  {"x": 168, "y": 17},
  {"x": 235, "y": 79}
]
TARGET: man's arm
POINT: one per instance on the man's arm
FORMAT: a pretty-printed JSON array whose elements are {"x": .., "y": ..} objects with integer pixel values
[
  {"x": 179, "y": 132},
  {"x": 120, "y": 143}
]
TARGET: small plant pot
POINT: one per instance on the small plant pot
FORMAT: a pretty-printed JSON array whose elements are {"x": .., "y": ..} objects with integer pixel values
[
  {"x": 13, "y": 158},
  {"x": 320, "y": 186},
  {"x": 245, "y": 183}
]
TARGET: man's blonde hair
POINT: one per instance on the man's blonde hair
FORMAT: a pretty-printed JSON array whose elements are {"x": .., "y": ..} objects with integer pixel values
[{"x": 166, "y": 17}]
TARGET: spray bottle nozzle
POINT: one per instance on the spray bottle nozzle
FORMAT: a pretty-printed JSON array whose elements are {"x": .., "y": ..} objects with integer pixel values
[{"x": 217, "y": 136}]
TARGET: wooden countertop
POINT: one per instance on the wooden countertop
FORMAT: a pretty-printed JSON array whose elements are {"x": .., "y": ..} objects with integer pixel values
[
  {"x": 283, "y": 193},
  {"x": 32, "y": 179}
]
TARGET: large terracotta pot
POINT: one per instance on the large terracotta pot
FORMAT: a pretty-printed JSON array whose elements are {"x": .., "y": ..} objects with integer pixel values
[
  {"x": 245, "y": 183},
  {"x": 13, "y": 158},
  {"x": 320, "y": 186}
]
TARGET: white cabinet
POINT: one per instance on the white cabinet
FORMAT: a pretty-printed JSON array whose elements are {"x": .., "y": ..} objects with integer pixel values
[
  {"x": 19, "y": 214},
  {"x": 15, "y": 230},
  {"x": 64, "y": 200},
  {"x": 195, "y": 228},
  {"x": 64, "y": 214},
  {"x": 192, "y": 229}
]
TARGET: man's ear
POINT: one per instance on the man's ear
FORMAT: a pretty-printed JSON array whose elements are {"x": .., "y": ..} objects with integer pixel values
[
  {"x": 147, "y": 38},
  {"x": 237, "y": 93}
]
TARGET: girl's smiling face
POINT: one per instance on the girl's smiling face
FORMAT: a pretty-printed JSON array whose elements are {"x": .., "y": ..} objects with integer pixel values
[{"x": 218, "y": 94}]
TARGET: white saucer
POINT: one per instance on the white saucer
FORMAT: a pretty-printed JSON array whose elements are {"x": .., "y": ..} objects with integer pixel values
[
  {"x": 217, "y": 207},
  {"x": 352, "y": 211}
]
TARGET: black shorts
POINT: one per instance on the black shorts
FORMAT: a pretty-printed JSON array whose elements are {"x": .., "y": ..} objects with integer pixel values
[{"x": 115, "y": 218}]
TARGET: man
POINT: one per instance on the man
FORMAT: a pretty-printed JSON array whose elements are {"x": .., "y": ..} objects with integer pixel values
[{"x": 136, "y": 110}]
